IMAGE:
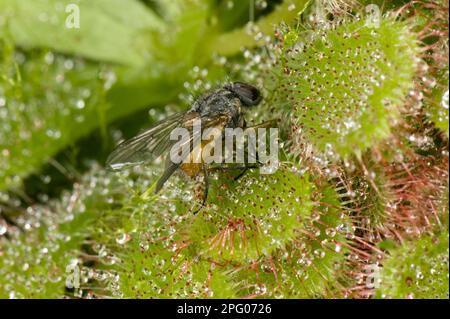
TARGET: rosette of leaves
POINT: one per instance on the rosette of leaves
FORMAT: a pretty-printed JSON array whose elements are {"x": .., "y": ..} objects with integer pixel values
[{"x": 241, "y": 249}]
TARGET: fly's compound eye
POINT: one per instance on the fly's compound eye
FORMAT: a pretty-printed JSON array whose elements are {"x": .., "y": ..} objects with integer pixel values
[{"x": 248, "y": 94}]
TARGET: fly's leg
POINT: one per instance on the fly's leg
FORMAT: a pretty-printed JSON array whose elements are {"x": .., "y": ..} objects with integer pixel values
[
  {"x": 244, "y": 168},
  {"x": 266, "y": 124},
  {"x": 205, "y": 190},
  {"x": 206, "y": 181},
  {"x": 247, "y": 167},
  {"x": 241, "y": 174},
  {"x": 226, "y": 167}
]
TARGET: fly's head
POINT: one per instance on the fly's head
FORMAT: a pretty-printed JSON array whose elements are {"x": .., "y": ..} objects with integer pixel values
[{"x": 247, "y": 94}]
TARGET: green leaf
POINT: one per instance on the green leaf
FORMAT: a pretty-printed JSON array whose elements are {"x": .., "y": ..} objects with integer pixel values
[
  {"x": 109, "y": 29},
  {"x": 345, "y": 86}
]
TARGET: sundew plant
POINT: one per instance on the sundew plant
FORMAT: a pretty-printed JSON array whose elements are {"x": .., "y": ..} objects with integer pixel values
[{"x": 358, "y": 207}]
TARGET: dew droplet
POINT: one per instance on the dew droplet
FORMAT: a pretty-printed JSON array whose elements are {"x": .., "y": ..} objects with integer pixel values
[
  {"x": 3, "y": 227},
  {"x": 123, "y": 239},
  {"x": 80, "y": 104}
]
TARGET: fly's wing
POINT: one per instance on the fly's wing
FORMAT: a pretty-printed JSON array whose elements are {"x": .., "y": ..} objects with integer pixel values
[
  {"x": 219, "y": 121},
  {"x": 146, "y": 146}
]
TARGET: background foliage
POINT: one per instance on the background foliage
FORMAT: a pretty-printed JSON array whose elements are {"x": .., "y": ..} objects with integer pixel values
[{"x": 358, "y": 208}]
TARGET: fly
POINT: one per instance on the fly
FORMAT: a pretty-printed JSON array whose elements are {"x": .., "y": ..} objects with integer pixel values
[{"x": 221, "y": 108}]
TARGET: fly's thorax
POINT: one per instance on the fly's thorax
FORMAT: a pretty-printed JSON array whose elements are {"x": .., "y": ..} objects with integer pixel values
[{"x": 219, "y": 102}]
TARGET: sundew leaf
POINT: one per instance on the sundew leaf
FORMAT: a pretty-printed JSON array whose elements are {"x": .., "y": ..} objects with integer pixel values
[
  {"x": 252, "y": 217},
  {"x": 36, "y": 264},
  {"x": 417, "y": 269},
  {"x": 109, "y": 30},
  {"x": 45, "y": 256},
  {"x": 345, "y": 86},
  {"x": 272, "y": 227}
]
